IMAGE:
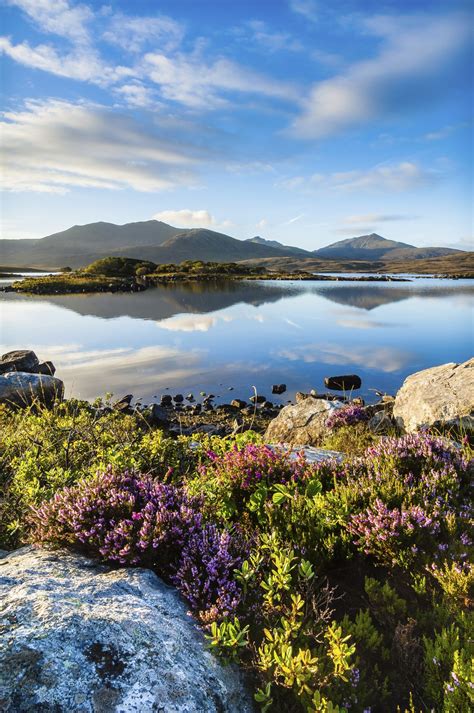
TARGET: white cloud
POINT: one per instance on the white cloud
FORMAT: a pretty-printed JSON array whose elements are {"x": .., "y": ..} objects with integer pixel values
[
  {"x": 187, "y": 79},
  {"x": 262, "y": 224},
  {"x": 132, "y": 33},
  {"x": 81, "y": 63},
  {"x": 186, "y": 218},
  {"x": 394, "y": 178},
  {"x": 189, "y": 323},
  {"x": 136, "y": 94},
  {"x": 53, "y": 145},
  {"x": 262, "y": 37},
  {"x": 407, "y": 73},
  {"x": 58, "y": 17},
  {"x": 307, "y": 8}
]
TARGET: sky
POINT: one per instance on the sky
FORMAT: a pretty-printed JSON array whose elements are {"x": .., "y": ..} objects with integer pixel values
[{"x": 301, "y": 121}]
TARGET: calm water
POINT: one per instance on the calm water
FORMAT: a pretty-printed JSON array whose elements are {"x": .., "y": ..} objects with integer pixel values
[{"x": 210, "y": 338}]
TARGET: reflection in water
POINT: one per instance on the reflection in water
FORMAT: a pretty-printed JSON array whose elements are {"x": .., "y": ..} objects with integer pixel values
[{"x": 213, "y": 336}]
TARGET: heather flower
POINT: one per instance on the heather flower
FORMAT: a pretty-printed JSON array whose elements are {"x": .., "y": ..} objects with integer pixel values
[
  {"x": 347, "y": 416},
  {"x": 125, "y": 517}
]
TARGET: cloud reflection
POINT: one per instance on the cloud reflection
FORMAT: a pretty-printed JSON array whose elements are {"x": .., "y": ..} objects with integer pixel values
[{"x": 386, "y": 359}]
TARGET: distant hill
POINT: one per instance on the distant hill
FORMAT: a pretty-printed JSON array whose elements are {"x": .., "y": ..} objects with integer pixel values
[
  {"x": 159, "y": 243},
  {"x": 375, "y": 247},
  {"x": 286, "y": 249}
]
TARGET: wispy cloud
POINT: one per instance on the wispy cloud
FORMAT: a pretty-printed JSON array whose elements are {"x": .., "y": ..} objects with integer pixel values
[
  {"x": 307, "y": 8},
  {"x": 391, "y": 178},
  {"x": 385, "y": 359},
  {"x": 52, "y": 146},
  {"x": 58, "y": 17},
  {"x": 376, "y": 218},
  {"x": 417, "y": 53},
  {"x": 133, "y": 33}
]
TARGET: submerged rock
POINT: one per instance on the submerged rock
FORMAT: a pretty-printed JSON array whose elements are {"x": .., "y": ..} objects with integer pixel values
[
  {"x": 20, "y": 389},
  {"x": 442, "y": 395},
  {"x": 82, "y": 637},
  {"x": 303, "y": 423}
]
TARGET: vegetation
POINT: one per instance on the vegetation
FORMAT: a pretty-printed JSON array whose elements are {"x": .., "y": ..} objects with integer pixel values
[
  {"x": 338, "y": 586},
  {"x": 119, "y": 267}
]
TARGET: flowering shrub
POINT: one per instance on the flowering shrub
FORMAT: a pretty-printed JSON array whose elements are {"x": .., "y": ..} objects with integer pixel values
[
  {"x": 347, "y": 416},
  {"x": 124, "y": 517},
  {"x": 205, "y": 572},
  {"x": 384, "y": 533}
]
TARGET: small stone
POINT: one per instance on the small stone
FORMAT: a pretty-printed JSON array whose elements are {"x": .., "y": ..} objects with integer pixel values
[
  {"x": 179, "y": 398},
  {"x": 278, "y": 388},
  {"x": 123, "y": 404},
  {"x": 238, "y": 403},
  {"x": 190, "y": 397},
  {"x": 258, "y": 399},
  {"x": 166, "y": 400},
  {"x": 347, "y": 382},
  {"x": 300, "y": 396}
]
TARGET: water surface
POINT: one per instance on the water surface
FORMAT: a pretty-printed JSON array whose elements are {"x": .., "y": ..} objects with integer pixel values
[{"x": 211, "y": 337}]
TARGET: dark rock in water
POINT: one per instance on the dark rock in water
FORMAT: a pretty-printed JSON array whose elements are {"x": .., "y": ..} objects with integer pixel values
[
  {"x": 230, "y": 388},
  {"x": 346, "y": 382},
  {"x": 267, "y": 405},
  {"x": 81, "y": 637},
  {"x": 123, "y": 404},
  {"x": 166, "y": 400},
  {"x": 207, "y": 399},
  {"x": 190, "y": 398},
  {"x": 258, "y": 399},
  {"x": 46, "y": 367},
  {"x": 238, "y": 403},
  {"x": 20, "y": 389},
  {"x": 278, "y": 388},
  {"x": 179, "y": 398},
  {"x": 20, "y": 360}
]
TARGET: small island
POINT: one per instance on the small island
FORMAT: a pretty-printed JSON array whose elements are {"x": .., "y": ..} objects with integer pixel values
[{"x": 122, "y": 274}]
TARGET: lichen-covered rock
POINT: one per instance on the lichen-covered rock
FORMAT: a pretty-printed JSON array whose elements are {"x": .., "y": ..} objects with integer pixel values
[
  {"x": 20, "y": 389},
  {"x": 435, "y": 397},
  {"x": 303, "y": 423},
  {"x": 82, "y": 637}
]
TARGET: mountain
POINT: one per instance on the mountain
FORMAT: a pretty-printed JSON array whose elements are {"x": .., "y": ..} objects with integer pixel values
[
  {"x": 287, "y": 249},
  {"x": 150, "y": 240},
  {"x": 375, "y": 247},
  {"x": 160, "y": 243}
]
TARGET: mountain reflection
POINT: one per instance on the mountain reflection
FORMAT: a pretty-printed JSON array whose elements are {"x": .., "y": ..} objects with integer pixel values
[{"x": 166, "y": 301}]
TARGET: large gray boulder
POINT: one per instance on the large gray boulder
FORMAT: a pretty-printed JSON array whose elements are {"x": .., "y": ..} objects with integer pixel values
[
  {"x": 20, "y": 389},
  {"x": 82, "y": 637},
  {"x": 303, "y": 423},
  {"x": 443, "y": 395}
]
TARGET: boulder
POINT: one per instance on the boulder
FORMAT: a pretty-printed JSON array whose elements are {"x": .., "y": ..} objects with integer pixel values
[
  {"x": 19, "y": 360},
  {"x": 124, "y": 403},
  {"x": 346, "y": 382},
  {"x": 442, "y": 395},
  {"x": 302, "y": 423},
  {"x": 166, "y": 400},
  {"x": 278, "y": 388},
  {"x": 20, "y": 389},
  {"x": 83, "y": 637},
  {"x": 46, "y": 367}
]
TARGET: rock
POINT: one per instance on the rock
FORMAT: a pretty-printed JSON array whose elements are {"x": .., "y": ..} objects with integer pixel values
[
  {"x": 20, "y": 389},
  {"x": 190, "y": 398},
  {"x": 312, "y": 455},
  {"x": 387, "y": 399},
  {"x": 303, "y": 423},
  {"x": 178, "y": 399},
  {"x": 257, "y": 399},
  {"x": 238, "y": 403},
  {"x": 226, "y": 408},
  {"x": 278, "y": 388},
  {"x": 20, "y": 360},
  {"x": 157, "y": 416},
  {"x": 343, "y": 383},
  {"x": 300, "y": 396},
  {"x": 123, "y": 404},
  {"x": 442, "y": 395},
  {"x": 358, "y": 401},
  {"x": 46, "y": 367},
  {"x": 166, "y": 400},
  {"x": 381, "y": 423},
  {"x": 79, "y": 637}
]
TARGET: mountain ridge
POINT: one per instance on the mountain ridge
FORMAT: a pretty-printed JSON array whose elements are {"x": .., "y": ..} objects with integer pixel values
[{"x": 159, "y": 242}]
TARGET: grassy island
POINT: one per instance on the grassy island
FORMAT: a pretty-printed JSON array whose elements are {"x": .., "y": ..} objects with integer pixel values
[
  {"x": 117, "y": 274},
  {"x": 339, "y": 586}
]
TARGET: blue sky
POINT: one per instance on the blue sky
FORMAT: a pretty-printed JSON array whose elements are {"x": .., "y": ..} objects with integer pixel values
[{"x": 298, "y": 120}]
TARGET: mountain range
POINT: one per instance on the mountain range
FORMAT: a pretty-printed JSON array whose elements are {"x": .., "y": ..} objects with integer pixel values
[{"x": 162, "y": 243}]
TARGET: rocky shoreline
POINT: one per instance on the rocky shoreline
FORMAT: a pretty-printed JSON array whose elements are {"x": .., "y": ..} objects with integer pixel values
[{"x": 433, "y": 397}]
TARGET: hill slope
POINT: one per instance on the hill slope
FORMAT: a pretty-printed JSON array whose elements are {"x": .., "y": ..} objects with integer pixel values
[{"x": 375, "y": 247}]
